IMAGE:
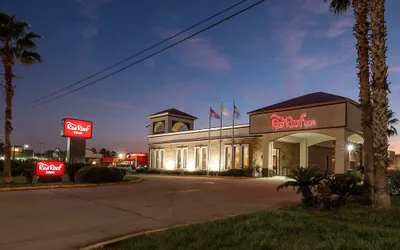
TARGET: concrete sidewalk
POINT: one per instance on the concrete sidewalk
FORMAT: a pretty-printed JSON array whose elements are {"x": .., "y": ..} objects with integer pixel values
[{"x": 73, "y": 218}]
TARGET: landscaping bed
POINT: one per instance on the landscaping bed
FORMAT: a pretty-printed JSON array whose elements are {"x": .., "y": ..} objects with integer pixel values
[
  {"x": 20, "y": 181},
  {"x": 350, "y": 227},
  {"x": 237, "y": 172}
]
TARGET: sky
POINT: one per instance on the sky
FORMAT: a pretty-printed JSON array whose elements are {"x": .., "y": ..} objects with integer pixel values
[{"x": 270, "y": 53}]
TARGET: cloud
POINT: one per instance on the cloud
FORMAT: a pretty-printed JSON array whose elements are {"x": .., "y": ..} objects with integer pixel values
[
  {"x": 316, "y": 62},
  {"x": 315, "y": 6},
  {"x": 394, "y": 68},
  {"x": 91, "y": 8},
  {"x": 340, "y": 26},
  {"x": 197, "y": 52}
]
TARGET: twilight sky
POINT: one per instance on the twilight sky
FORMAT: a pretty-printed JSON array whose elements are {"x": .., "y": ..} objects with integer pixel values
[{"x": 275, "y": 51}]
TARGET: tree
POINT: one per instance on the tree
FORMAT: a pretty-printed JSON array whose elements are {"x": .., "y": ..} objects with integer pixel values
[
  {"x": 94, "y": 150},
  {"x": 103, "y": 151},
  {"x": 392, "y": 131},
  {"x": 360, "y": 31},
  {"x": 380, "y": 88},
  {"x": 16, "y": 45}
]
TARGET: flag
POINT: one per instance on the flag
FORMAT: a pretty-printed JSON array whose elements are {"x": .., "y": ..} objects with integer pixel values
[
  {"x": 213, "y": 114},
  {"x": 225, "y": 111},
  {"x": 236, "y": 112}
]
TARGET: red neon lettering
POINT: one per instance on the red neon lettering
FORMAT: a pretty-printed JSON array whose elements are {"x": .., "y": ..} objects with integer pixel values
[{"x": 279, "y": 122}]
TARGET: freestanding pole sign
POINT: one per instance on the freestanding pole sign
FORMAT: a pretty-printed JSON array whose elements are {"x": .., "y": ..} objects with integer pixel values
[{"x": 76, "y": 131}]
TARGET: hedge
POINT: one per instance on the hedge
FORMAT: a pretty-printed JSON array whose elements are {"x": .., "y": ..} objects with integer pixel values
[
  {"x": 230, "y": 172},
  {"x": 89, "y": 174}
]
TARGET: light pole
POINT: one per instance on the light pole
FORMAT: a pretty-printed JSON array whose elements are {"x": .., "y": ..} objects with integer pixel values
[
  {"x": 41, "y": 149},
  {"x": 26, "y": 146}
]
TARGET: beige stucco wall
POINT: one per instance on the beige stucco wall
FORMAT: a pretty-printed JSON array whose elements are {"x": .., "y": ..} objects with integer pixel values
[
  {"x": 353, "y": 118},
  {"x": 327, "y": 116}
]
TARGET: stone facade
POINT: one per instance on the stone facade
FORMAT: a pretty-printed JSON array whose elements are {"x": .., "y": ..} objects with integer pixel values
[
  {"x": 321, "y": 157},
  {"x": 170, "y": 150},
  {"x": 289, "y": 156}
]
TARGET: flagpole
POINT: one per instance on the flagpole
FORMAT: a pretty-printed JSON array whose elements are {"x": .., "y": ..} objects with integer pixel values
[
  {"x": 233, "y": 135},
  {"x": 209, "y": 140},
  {"x": 220, "y": 139}
]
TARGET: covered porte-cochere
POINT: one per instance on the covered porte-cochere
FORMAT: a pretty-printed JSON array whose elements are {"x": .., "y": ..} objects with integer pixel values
[{"x": 320, "y": 129}]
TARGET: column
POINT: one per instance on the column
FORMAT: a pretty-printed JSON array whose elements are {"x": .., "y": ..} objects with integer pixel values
[
  {"x": 341, "y": 155},
  {"x": 303, "y": 153},
  {"x": 267, "y": 153}
]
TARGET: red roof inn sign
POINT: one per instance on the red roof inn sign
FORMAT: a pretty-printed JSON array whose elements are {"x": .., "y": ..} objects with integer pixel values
[
  {"x": 288, "y": 122},
  {"x": 76, "y": 128},
  {"x": 49, "y": 168}
]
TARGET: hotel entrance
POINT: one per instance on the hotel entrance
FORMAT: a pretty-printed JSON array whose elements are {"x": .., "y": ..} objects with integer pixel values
[{"x": 312, "y": 130}]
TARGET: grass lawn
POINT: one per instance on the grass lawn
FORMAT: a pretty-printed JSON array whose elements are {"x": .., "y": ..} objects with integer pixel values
[
  {"x": 351, "y": 227},
  {"x": 20, "y": 181}
]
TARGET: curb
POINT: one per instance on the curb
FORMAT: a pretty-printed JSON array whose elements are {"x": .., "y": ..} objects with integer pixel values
[
  {"x": 196, "y": 176},
  {"x": 125, "y": 237},
  {"x": 133, "y": 235},
  {"x": 69, "y": 186}
]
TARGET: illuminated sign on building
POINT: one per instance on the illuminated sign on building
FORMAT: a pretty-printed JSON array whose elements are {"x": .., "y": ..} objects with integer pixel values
[
  {"x": 279, "y": 122},
  {"x": 77, "y": 128},
  {"x": 50, "y": 168}
]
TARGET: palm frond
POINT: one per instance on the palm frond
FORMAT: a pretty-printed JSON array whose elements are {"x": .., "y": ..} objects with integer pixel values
[
  {"x": 29, "y": 58},
  {"x": 392, "y": 131},
  {"x": 32, "y": 35},
  {"x": 338, "y": 6},
  {"x": 287, "y": 184},
  {"x": 4, "y": 18}
]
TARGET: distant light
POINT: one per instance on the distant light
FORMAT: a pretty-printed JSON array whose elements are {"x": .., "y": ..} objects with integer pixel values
[
  {"x": 26, "y": 146},
  {"x": 350, "y": 147},
  {"x": 121, "y": 156}
]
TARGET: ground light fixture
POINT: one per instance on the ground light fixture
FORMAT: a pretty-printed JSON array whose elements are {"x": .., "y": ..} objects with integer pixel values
[{"x": 350, "y": 147}]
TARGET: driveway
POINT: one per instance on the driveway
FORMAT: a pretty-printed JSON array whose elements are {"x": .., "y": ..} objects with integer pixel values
[{"x": 73, "y": 218}]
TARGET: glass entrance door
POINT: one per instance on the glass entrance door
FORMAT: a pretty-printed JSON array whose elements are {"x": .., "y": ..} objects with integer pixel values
[{"x": 276, "y": 160}]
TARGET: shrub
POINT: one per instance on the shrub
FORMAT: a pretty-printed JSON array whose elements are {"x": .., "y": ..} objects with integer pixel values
[
  {"x": 72, "y": 168},
  {"x": 233, "y": 172},
  {"x": 89, "y": 174}
]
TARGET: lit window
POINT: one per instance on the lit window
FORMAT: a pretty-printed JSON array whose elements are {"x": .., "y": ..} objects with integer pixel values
[
  {"x": 179, "y": 126},
  {"x": 157, "y": 158},
  {"x": 201, "y": 157},
  {"x": 159, "y": 127},
  {"x": 240, "y": 156},
  {"x": 245, "y": 155},
  {"x": 181, "y": 158}
]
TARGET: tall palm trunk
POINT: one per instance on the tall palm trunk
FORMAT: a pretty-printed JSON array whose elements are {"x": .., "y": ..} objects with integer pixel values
[
  {"x": 381, "y": 198},
  {"x": 361, "y": 28},
  {"x": 8, "y": 62}
]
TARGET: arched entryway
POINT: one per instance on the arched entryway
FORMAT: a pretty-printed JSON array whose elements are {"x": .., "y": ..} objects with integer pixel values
[{"x": 331, "y": 150}]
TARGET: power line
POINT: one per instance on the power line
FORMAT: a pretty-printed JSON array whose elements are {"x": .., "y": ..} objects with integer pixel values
[
  {"x": 151, "y": 55},
  {"x": 135, "y": 55}
]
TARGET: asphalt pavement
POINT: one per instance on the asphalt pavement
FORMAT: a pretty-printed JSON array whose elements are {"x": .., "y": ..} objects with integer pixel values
[{"x": 76, "y": 217}]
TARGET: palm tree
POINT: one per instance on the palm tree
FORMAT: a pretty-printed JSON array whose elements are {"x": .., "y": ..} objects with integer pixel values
[
  {"x": 360, "y": 31},
  {"x": 392, "y": 131},
  {"x": 380, "y": 88},
  {"x": 16, "y": 45}
]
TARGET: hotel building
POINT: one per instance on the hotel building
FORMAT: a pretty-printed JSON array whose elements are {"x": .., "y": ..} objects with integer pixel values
[{"x": 317, "y": 129}]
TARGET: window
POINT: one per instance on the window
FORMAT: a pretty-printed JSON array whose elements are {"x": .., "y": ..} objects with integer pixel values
[
  {"x": 159, "y": 128},
  {"x": 228, "y": 157},
  {"x": 157, "y": 158},
  {"x": 179, "y": 126},
  {"x": 181, "y": 158},
  {"x": 240, "y": 154},
  {"x": 200, "y": 157},
  {"x": 245, "y": 155}
]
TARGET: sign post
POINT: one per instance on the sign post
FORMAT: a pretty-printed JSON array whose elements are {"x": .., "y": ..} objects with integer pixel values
[{"x": 77, "y": 132}]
